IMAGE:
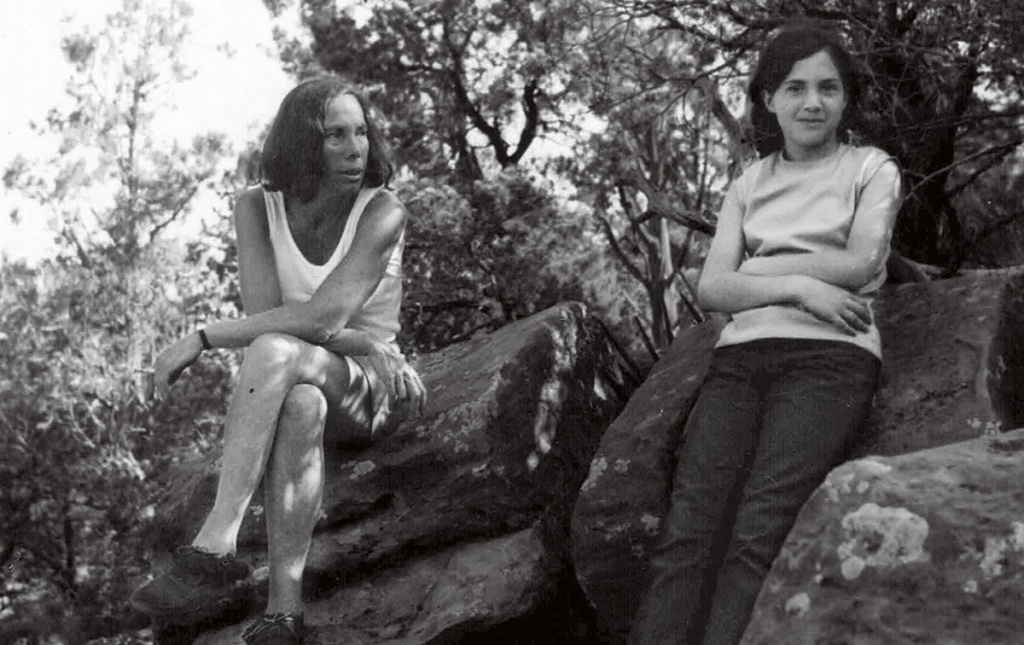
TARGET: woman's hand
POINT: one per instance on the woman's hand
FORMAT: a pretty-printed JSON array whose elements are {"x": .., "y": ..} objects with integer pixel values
[
  {"x": 401, "y": 380},
  {"x": 172, "y": 362},
  {"x": 845, "y": 310}
]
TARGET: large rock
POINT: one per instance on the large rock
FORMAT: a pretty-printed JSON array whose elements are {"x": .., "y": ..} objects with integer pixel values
[
  {"x": 950, "y": 350},
  {"x": 623, "y": 499},
  {"x": 940, "y": 345},
  {"x": 920, "y": 548},
  {"x": 437, "y": 597},
  {"x": 488, "y": 473}
]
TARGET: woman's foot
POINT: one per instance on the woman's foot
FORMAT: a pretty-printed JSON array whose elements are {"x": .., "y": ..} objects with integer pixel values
[
  {"x": 198, "y": 586},
  {"x": 275, "y": 629}
]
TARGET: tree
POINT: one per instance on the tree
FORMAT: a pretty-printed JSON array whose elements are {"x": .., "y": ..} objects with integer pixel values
[
  {"x": 81, "y": 447},
  {"x": 669, "y": 146},
  {"x": 466, "y": 84},
  {"x": 112, "y": 186},
  {"x": 943, "y": 84},
  {"x": 503, "y": 252}
]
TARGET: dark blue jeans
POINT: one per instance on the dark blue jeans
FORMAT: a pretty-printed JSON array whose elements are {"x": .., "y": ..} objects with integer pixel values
[{"x": 771, "y": 420}]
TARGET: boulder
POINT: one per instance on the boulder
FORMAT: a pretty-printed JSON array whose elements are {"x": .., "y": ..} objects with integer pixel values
[
  {"x": 437, "y": 597},
  {"x": 920, "y": 548},
  {"x": 951, "y": 349},
  {"x": 489, "y": 473},
  {"x": 625, "y": 495},
  {"x": 941, "y": 341}
]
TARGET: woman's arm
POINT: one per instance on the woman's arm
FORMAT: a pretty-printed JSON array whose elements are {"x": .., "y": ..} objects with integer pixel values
[
  {"x": 257, "y": 272},
  {"x": 857, "y": 264},
  {"x": 320, "y": 321},
  {"x": 724, "y": 288},
  {"x": 324, "y": 318}
]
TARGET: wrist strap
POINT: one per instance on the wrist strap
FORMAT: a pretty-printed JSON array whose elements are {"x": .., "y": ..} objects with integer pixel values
[{"x": 204, "y": 340}]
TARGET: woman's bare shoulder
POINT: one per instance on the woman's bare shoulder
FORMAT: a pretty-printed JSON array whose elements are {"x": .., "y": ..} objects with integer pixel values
[
  {"x": 250, "y": 207},
  {"x": 249, "y": 199},
  {"x": 386, "y": 200},
  {"x": 386, "y": 210}
]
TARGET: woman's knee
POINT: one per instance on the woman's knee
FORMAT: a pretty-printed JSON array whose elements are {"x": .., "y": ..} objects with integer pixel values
[
  {"x": 304, "y": 409},
  {"x": 273, "y": 353},
  {"x": 274, "y": 346}
]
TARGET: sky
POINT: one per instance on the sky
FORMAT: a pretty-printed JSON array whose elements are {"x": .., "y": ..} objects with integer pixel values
[{"x": 236, "y": 94}]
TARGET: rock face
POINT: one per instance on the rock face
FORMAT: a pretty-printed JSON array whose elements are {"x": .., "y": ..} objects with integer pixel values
[
  {"x": 942, "y": 343},
  {"x": 949, "y": 353},
  {"x": 623, "y": 499},
  {"x": 921, "y": 548},
  {"x": 1006, "y": 355},
  {"x": 460, "y": 520}
]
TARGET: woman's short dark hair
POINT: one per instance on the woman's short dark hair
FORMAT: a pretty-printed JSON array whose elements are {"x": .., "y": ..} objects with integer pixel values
[
  {"x": 792, "y": 44},
  {"x": 292, "y": 157}
]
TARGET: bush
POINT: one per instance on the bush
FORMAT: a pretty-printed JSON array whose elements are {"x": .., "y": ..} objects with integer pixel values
[
  {"x": 82, "y": 450},
  {"x": 475, "y": 262}
]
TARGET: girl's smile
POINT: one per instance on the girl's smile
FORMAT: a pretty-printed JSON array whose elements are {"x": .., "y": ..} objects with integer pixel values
[{"x": 809, "y": 105}]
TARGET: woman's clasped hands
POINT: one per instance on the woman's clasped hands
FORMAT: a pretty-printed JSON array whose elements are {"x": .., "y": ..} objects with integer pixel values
[{"x": 401, "y": 380}]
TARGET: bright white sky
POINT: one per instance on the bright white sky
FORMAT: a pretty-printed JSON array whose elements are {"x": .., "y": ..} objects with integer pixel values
[{"x": 237, "y": 95}]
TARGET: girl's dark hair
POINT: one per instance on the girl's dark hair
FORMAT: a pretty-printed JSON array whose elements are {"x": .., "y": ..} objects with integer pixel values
[
  {"x": 292, "y": 157},
  {"x": 792, "y": 44}
]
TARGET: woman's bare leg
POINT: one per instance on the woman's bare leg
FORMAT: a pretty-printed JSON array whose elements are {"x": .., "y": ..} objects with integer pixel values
[
  {"x": 273, "y": 365},
  {"x": 294, "y": 488}
]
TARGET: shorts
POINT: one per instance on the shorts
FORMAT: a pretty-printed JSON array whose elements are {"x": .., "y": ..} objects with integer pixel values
[{"x": 366, "y": 404}]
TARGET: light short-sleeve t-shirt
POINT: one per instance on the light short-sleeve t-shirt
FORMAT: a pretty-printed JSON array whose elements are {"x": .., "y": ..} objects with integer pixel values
[{"x": 801, "y": 207}]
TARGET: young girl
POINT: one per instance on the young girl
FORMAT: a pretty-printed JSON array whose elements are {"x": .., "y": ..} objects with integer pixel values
[
  {"x": 320, "y": 259},
  {"x": 800, "y": 249}
]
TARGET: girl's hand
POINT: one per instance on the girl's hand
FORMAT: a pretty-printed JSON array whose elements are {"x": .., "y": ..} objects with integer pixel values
[
  {"x": 401, "y": 380},
  {"x": 172, "y": 362},
  {"x": 847, "y": 311}
]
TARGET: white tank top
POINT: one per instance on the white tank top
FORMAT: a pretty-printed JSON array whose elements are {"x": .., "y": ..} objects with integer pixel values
[{"x": 299, "y": 278}]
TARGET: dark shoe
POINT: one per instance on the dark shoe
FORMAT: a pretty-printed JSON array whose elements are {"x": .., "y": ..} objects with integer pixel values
[
  {"x": 275, "y": 629},
  {"x": 198, "y": 586}
]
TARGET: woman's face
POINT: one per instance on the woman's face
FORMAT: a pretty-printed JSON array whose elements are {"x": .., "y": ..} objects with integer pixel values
[
  {"x": 809, "y": 105},
  {"x": 346, "y": 145}
]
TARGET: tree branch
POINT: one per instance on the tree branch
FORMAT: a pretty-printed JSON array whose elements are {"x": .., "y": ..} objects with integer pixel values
[
  {"x": 1007, "y": 147},
  {"x": 492, "y": 133},
  {"x": 617, "y": 249}
]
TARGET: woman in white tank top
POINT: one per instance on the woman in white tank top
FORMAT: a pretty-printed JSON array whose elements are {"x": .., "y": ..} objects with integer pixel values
[{"x": 320, "y": 247}]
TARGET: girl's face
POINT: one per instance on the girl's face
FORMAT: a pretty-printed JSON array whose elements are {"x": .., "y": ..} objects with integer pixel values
[
  {"x": 346, "y": 144},
  {"x": 809, "y": 104}
]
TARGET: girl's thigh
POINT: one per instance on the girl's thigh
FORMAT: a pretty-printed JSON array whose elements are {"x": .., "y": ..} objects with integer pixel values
[{"x": 814, "y": 407}]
